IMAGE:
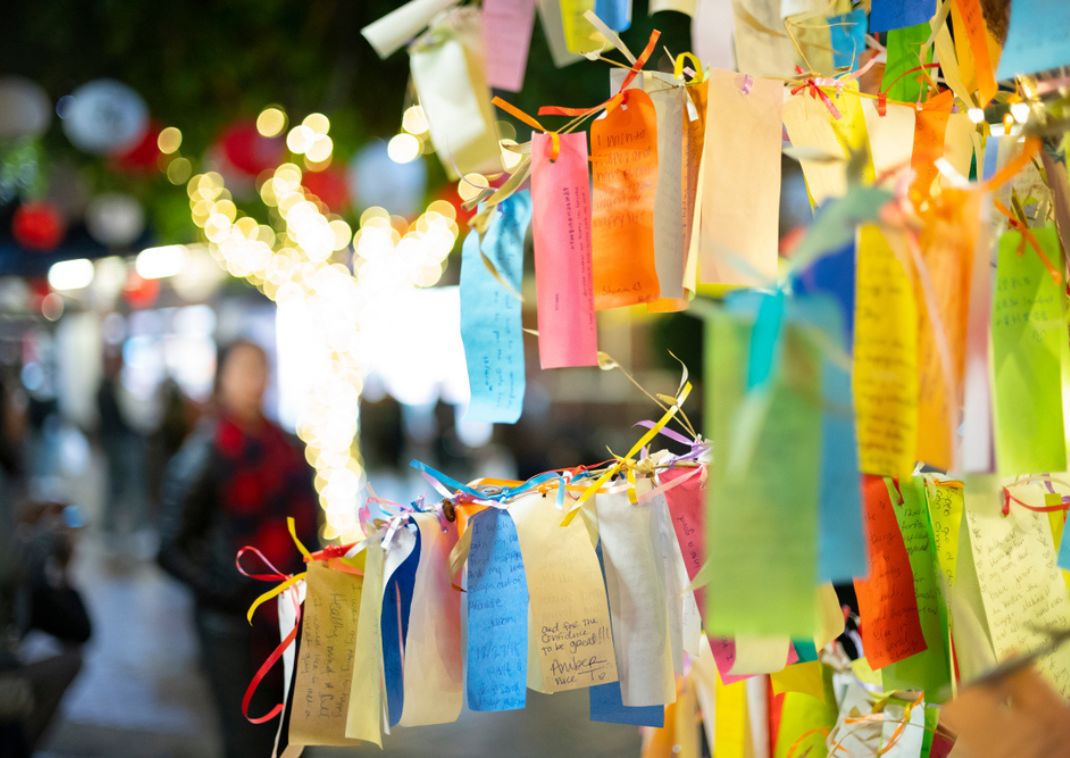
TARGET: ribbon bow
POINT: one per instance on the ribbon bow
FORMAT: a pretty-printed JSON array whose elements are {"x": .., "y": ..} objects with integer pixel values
[{"x": 810, "y": 85}]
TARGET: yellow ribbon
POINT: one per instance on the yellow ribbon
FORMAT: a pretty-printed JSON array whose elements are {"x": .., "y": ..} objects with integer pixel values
[
  {"x": 681, "y": 60},
  {"x": 627, "y": 462},
  {"x": 284, "y": 585}
]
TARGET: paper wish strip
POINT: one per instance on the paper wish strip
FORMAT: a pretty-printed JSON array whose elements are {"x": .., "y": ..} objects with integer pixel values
[
  {"x": 364, "y": 715},
  {"x": 624, "y": 160},
  {"x": 762, "y": 512},
  {"x": 638, "y": 599},
  {"x": 885, "y": 357},
  {"x": 325, "y": 666},
  {"x": 1024, "y": 596},
  {"x": 399, "y": 576},
  {"x": 507, "y": 26},
  {"x": 497, "y": 601},
  {"x": 447, "y": 70},
  {"x": 1029, "y": 348},
  {"x": 741, "y": 168},
  {"x": 1036, "y": 39},
  {"x": 434, "y": 678},
  {"x": 570, "y": 644},
  {"x": 891, "y": 630},
  {"x": 561, "y": 226},
  {"x": 491, "y": 326},
  {"x": 928, "y": 670}
]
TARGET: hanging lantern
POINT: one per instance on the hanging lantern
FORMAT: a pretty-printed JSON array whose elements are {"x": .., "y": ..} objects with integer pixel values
[
  {"x": 104, "y": 117},
  {"x": 329, "y": 186},
  {"x": 248, "y": 151},
  {"x": 115, "y": 219},
  {"x": 38, "y": 226},
  {"x": 25, "y": 108},
  {"x": 143, "y": 155}
]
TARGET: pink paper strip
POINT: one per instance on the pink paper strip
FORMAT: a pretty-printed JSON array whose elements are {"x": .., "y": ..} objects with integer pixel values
[
  {"x": 561, "y": 224},
  {"x": 687, "y": 505},
  {"x": 507, "y": 26}
]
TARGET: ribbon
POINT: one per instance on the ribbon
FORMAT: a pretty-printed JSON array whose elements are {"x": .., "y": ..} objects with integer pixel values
[
  {"x": 1008, "y": 498},
  {"x": 698, "y": 73},
  {"x": 882, "y": 96},
  {"x": 1027, "y": 238},
  {"x": 627, "y": 461},
  {"x": 613, "y": 102},
  {"x": 271, "y": 660},
  {"x": 810, "y": 85},
  {"x": 519, "y": 115},
  {"x": 329, "y": 554}
]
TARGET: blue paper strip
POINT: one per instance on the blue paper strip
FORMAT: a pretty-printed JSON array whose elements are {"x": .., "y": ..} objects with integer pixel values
[
  {"x": 394, "y": 625},
  {"x": 617, "y": 14},
  {"x": 805, "y": 649},
  {"x": 1063, "y": 559},
  {"x": 497, "y": 600},
  {"x": 848, "y": 36},
  {"x": 606, "y": 705},
  {"x": 765, "y": 340},
  {"x": 897, "y": 14},
  {"x": 833, "y": 275},
  {"x": 1036, "y": 38},
  {"x": 491, "y": 327},
  {"x": 841, "y": 539}
]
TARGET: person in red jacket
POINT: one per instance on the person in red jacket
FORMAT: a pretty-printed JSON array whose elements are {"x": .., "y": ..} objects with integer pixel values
[{"x": 234, "y": 483}]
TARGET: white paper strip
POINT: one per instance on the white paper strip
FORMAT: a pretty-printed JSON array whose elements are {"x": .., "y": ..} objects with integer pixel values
[
  {"x": 447, "y": 69},
  {"x": 638, "y": 601},
  {"x": 394, "y": 30},
  {"x": 433, "y": 669}
]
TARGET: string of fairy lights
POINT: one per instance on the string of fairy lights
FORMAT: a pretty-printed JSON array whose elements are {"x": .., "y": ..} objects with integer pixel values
[{"x": 301, "y": 261}]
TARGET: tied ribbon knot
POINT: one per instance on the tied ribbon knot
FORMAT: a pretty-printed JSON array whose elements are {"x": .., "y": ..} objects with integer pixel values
[
  {"x": 333, "y": 555},
  {"x": 628, "y": 462},
  {"x": 633, "y": 71},
  {"x": 1027, "y": 238},
  {"x": 810, "y": 85}
]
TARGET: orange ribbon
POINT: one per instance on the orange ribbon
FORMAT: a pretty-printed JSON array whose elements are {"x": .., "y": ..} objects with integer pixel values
[
  {"x": 519, "y": 115},
  {"x": 1027, "y": 237},
  {"x": 613, "y": 102}
]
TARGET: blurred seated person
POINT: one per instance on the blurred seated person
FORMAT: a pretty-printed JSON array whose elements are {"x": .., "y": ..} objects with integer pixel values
[
  {"x": 36, "y": 543},
  {"x": 233, "y": 483}
]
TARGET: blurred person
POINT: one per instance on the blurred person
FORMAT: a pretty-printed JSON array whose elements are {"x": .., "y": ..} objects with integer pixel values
[
  {"x": 178, "y": 416},
  {"x": 233, "y": 483},
  {"x": 36, "y": 544},
  {"x": 124, "y": 498}
]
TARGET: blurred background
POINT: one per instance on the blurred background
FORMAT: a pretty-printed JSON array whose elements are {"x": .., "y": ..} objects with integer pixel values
[{"x": 131, "y": 133}]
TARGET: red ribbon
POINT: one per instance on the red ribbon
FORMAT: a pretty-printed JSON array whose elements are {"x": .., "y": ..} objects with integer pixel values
[
  {"x": 816, "y": 92},
  {"x": 275, "y": 576},
  {"x": 1008, "y": 498},
  {"x": 265, "y": 667},
  {"x": 882, "y": 96}
]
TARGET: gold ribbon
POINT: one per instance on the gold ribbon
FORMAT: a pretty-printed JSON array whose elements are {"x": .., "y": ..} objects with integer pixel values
[{"x": 628, "y": 462}]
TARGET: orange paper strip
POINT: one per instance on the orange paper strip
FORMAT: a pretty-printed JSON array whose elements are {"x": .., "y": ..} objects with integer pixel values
[
  {"x": 929, "y": 131},
  {"x": 891, "y": 630},
  {"x": 624, "y": 159}
]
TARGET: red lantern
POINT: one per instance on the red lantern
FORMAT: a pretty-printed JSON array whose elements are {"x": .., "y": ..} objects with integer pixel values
[
  {"x": 329, "y": 186},
  {"x": 139, "y": 292},
  {"x": 248, "y": 151},
  {"x": 37, "y": 226},
  {"x": 141, "y": 157}
]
